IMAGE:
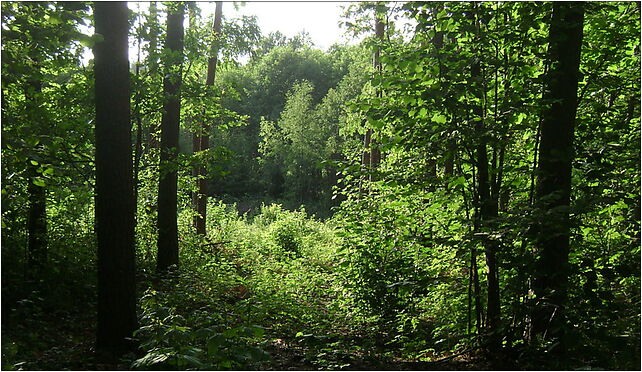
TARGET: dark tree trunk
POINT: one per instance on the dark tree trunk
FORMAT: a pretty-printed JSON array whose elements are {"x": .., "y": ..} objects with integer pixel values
[
  {"x": 138, "y": 148},
  {"x": 474, "y": 277},
  {"x": 487, "y": 206},
  {"x": 167, "y": 189},
  {"x": 552, "y": 197},
  {"x": 37, "y": 217},
  {"x": 114, "y": 184},
  {"x": 449, "y": 161},
  {"x": 365, "y": 158},
  {"x": 201, "y": 140},
  {"x": 154, "y": 32},
  {"x": 375, "y": 152},
  {"x": 451, "y": 148},
  {"x": 36, "y": 225},
  {"x": 372, "y": 155},
  {"x": 487, "y": 213}
]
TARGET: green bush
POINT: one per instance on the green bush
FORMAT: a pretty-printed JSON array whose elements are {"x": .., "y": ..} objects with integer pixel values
[{"x": 195, "y": 341}]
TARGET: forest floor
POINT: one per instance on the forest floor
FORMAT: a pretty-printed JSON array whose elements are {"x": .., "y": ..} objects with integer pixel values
[
  {"x": 257, "y": 281},
  {"x": 64, "y": 340}
]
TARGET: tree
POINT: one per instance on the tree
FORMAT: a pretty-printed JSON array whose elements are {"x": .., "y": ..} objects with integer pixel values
[
  {"x": 30, "y": 107},
  {"x": 114, "y": 182},
  {"x": 372, "y": 154},
  {"x": 153, "y": 32},
  {"x": 554, "y": 170},
  {"x": 201, "y": 140},
  {"x": 487, "y": 207},
  {"x": 294, "y": 145},
  {"x": 37, "y": 218},
  {"x": 263, "y": 85},
  {"x": 167, "y": 188}
]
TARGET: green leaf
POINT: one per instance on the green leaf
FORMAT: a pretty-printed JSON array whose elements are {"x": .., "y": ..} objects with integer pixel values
[
  {"x": 193, "y": 360},
  {"x": 439, "y": 118},
  {"x": 214, "y": 343},
  {"x": 89, "y": 41}
]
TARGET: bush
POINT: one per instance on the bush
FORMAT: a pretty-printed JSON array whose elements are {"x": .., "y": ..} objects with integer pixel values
[{"x": 199, "y": 340}]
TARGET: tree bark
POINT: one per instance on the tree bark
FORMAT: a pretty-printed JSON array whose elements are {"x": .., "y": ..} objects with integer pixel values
[
  {"x": 451, "y": 146},
  {"x": 201, "y": 140},
  {"x": 114, "y": 182},
  {"x": 37, "y": 217},
  {"x": 152, "y": 57},
  {"x": 487, "y": 207},
  {"x": 372, "y": 155},
  {"x": 138, "y": 148},
  {"x": 375, "y": 152},
  {"x": 167, "y": 188},
  {"x": 37, "y": 225},
  {"x": 553, "y": 190}
]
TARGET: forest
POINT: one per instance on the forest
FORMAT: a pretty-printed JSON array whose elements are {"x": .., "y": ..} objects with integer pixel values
[{"x": 457, "y": 188}]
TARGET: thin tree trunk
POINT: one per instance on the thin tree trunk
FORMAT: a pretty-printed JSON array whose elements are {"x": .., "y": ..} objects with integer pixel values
[
  {"x": 154, "y": 32},
  {"x": 487, "y": 208},
  {"x": 479, "y": 316},
  {"x": 201, "y": 141},
  {"x": 372, "y": 155},
  {"x": 37, "y": 215},
  {"x": 469, "y": 323},
  {"x": 167, "y": 189},
  {"x": 138, "y": 150},
  {"x": 448, "y": 161},
  {"x": 451, "y": 148},
  {"x": 473, "y": 275},
  {"x": 553, "y": 190},
  {"x": 365, "y": 159},
  {"x": 375, "y": 152},
  {"x": 36, "y": 225},
  {"x": 114, "y": 182}
]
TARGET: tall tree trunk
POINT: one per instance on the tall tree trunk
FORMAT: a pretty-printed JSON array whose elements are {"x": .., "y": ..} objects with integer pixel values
[
  {"x": 154, "y": 32},
  {"x": 451, "y": 146},
  {"x": 487, "y": 207},
  {"x": 372, "y": 155},
  {"x": 167, "y": 188},
  {"x": 552, "y": 199},
  {"x": 201, "y": 140},
  {"x": 37, "y": 217},
  {"x": 365, "y": 158},
  {"x": 36, "y": 225},
  {"x": 138, "y": 148},
  {"x": 114, "y": 184},
  {"x": 375, "y": 152}
]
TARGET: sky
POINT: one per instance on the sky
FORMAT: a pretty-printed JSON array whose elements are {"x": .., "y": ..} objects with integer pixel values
[{"x": 319, "y": 19}]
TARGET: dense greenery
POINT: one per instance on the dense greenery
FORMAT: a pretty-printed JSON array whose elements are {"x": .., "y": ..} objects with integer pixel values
[{"x": 382, "y": 205}]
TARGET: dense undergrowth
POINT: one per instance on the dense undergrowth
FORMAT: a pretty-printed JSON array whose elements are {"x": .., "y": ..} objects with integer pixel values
[
  {"x": 263, "y": 291},
  {"x": 253, "y": 279},
  {"x": 274, "y": 290}
]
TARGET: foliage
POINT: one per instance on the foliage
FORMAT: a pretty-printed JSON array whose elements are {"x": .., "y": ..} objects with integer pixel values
[
  {"x": 426, "y": 120},
  {"x": 173, "y": 341},
  {"x": 313, "y": 260},
  {"x": 234, "y": 294},
  {"x": 265, "y": 85}
]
